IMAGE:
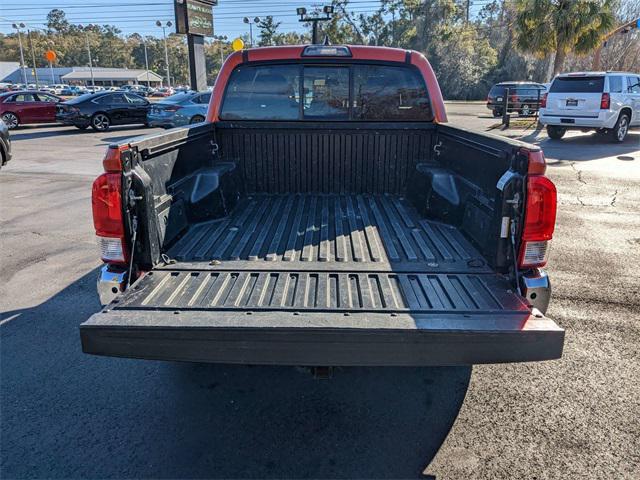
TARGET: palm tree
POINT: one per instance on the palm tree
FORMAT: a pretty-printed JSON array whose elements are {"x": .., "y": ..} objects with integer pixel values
[{"x": 544, "y": 27}]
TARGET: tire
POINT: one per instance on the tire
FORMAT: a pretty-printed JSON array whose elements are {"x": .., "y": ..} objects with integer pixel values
[
  {"x": 82, "y": 127},
  {"x": 526, "y": 110},
  {"x": 196, "y": 119},
  {"x": 556, "y": 133},
  {"x": 100, "y": 122},
  {"x": 496, "y": 113},
  {"x": 11, "y": 120},
  {"x": 619, "y": 131}
]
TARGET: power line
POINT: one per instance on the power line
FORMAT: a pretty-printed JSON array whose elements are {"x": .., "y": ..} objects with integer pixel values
[{"x": 151, "y": 4}]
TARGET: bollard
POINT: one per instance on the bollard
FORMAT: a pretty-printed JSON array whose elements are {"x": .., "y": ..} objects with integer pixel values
[{"x": 505, "y": 107}]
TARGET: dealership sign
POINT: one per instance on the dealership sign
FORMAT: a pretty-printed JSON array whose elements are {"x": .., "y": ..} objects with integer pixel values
[{"x": 195, "y": 17}]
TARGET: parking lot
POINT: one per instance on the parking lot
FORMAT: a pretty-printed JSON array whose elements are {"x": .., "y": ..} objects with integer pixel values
[{"x": 66, "y": 414}]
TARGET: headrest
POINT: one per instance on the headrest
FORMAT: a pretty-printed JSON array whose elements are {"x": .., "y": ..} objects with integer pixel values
[
  {"x": 271, "y": 83},
  {"x": 377, "y": 82}
]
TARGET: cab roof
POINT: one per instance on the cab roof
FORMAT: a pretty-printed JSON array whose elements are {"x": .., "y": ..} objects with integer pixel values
[{"x": 357, "y": 52}]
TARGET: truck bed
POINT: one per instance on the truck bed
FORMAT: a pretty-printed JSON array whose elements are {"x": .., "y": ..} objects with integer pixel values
[
  {"x": 327, "y": 233},
  {"x": 308, "y": 279}
]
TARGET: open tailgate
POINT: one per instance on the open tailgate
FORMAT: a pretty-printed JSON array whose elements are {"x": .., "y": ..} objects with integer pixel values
[{"x": 322, "y": 318}]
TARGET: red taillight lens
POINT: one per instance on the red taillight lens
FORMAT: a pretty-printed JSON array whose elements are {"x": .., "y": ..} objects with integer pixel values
[
  {"x": 513, "y": 98},
  {"x": 112, "y": 161},
  {"x": 539, "y": 221},
  {"x": 106, "y": 200},
  {"x": 543, "y": 100},
  {"x": 605, "y": 102},
  {"x": 537, "y": 164},
  {"x": 172, "y": 108}
]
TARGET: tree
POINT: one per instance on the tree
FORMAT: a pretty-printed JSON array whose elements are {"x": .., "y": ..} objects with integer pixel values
[
  {"x": 462, "y": 62},
  {"x": 57, "y": 21},
  {"x": 559, "y": 27},
  {"x": 268, "y": 31}
]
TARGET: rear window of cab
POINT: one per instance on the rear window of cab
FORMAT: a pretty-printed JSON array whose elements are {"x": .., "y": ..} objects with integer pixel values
[{"x": 326, "y": 92}]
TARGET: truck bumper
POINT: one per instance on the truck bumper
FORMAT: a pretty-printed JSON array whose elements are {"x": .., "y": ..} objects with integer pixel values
[{"x": 293, "y": 338}]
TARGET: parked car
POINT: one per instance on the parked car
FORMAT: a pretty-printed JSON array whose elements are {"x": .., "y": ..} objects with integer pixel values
[
  {"x": 141, "y": 90},
  {"x": 179, "y": 109},
  {"x": 58, "y": 87},
  {"x": 607, "y": 102},
  {"x": 350, "y": 225},
  {"x": 28, "y": 106},
  {"x": 524, "y": 97},
  {"x": 163, "y": 92},
  {"x": 102, "y": 110},
  {"x": 73, "y": 91},
  {"x": 5, "y": 144}
]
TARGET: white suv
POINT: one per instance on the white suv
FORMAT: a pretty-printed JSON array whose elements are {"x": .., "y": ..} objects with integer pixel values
[{"x": 608, "y": 102}]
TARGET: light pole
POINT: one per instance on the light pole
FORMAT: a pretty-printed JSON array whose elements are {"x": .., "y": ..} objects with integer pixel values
[
  {"x": 53, "y": 79},
  {"x": 146, "y": 61},
  {"x": 166, "y": 51},
  {"x": 86, "y": 36},
  {"x": 33, "y": 59},
  {"x": 18, "y": 26},
  {"x": 256, "y": 20},
  {"x": 302, "y": 12}
]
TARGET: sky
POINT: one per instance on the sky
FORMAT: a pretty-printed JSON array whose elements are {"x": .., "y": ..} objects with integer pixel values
[{"x": 139, "y": 16}]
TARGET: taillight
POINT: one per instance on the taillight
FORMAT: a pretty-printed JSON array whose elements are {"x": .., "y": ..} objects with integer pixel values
[
  {"x": 513, "y": 98},
  {"x": 172, "y": 108},
  {"x": 106, "y": 200},
  {"x": 605, "y": 102},
  {"x": 537, "y": 164},
  {"x": 543, "y": 100},
  {"x": 112, "y": 162},
  {"x": 539, "y": 221}
]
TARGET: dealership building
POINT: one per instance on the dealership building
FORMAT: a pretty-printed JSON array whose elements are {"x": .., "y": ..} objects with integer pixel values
[{"x": 113, "y": 77}]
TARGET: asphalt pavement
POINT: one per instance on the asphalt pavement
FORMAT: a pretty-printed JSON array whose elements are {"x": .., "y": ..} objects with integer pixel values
[{"x": 69, "y": 415}]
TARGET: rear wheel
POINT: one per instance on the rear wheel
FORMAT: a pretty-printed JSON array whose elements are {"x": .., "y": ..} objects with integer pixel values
[
  {"x": 620, "y": 130},
  {"x": 197, "y": 119},
  {"x": 100, "y": 122},
  {"x": 497, "y": 113},
  {"x": 10, "y": 119},
  {"x": 555, "y": 132}
]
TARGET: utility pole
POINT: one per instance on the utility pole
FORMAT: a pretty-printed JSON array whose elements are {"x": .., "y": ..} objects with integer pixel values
[
  {"x": 33, "y": 59},
  {"x": 86, "y": 37},
  {"x": 624, "y": 28},
  {"x": 166, "y": 51},
  {"x": 302, "y": 12},
  {"x": 468, "y": 5},
  {"x": 256, "y": 20},
  {"x": 18, "y": 26}
]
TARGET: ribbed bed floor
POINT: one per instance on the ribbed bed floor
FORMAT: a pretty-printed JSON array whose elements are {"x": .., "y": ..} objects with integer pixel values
[{"x": 327, "y": 232}]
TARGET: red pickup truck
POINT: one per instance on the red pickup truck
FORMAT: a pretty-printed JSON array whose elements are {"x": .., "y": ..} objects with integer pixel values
[{"x": 325, "y": 214}]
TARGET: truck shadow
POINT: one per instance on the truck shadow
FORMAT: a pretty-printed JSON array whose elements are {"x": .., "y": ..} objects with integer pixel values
[{"x": 74, "y": 415}]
